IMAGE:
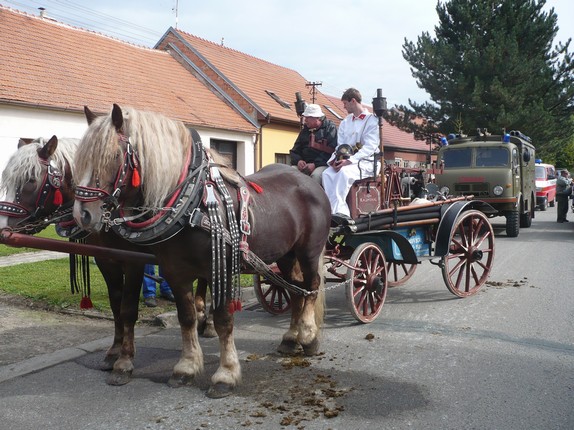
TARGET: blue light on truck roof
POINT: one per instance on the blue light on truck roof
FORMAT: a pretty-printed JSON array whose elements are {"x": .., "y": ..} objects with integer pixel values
[
  {"x": 538, "y": 160},
  {"x": 443, "y": 141},
  {"x": 506, "y": 138}
]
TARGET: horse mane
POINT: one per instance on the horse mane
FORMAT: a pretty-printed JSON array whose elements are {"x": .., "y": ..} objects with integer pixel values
[
  {"x": 25, "y": 164},
  {"x": 225, "y": 169},
  {"x": 161, "y": 144}
]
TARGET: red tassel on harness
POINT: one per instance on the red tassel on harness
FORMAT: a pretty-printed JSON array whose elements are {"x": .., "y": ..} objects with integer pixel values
[
  {"x": 86, "y": 303},
  {"x": 256, "y": 187},
  {"x": 231, "y": 307},
  {"x": 58, "y": 199},
  {"x": 136, "y": 181}
]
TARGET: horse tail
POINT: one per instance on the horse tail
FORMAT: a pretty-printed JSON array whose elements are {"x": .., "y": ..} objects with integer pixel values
[{"x": 320, "y": 301}]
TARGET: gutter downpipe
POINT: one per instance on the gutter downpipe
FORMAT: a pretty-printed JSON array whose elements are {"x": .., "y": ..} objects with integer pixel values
[{"x": 259, "y": 151}]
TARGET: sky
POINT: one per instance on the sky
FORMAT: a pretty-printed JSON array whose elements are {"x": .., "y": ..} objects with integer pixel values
[{"x": 340, "y": 44}]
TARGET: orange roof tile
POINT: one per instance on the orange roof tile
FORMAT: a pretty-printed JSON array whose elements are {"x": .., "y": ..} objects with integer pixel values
[
  {"x": 253, "y": 76},
  {"x": 45, "y": 63}
]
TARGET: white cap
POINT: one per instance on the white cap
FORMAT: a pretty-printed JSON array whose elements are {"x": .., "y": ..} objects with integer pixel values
[{"x": 314, "y": 111}]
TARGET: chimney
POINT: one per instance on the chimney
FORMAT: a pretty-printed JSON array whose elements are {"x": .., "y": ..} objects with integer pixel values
[{"x": 42, "y": 12}]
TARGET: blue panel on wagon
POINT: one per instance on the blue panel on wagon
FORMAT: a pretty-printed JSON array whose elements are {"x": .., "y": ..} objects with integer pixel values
[{"x": 416, "y": 237}]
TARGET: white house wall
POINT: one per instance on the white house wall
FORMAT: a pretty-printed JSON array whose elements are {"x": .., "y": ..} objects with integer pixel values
[{"x": 17, "y": 122}]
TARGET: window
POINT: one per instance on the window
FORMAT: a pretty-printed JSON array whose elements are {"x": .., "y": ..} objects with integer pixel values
[
  {"x": 283, "y": 159},
  {"x": 454, "y": 158},
  {"x": 227, "y": 149},
  {"x": 332, "y": 111},
  {"x": 278, "y": 99},
  {"x": 491, "y": 157}
]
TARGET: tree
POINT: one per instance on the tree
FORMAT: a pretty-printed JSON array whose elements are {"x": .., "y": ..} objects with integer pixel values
[{"x": 492, "y": 65}]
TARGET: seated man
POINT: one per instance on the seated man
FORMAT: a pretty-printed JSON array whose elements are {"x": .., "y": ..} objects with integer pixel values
[
  {"x": 359, "y": 131},
  {"x": 315, "y": 143}
]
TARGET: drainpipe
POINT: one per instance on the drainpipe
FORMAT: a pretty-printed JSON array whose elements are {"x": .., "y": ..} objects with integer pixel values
[{"x": 268, "y": 119}]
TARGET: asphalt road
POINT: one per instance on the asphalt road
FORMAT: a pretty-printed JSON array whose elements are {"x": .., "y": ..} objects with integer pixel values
[{"x": 502, "y": 359}]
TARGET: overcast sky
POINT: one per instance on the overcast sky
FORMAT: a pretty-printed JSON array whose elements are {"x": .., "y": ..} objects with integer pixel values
[{"x": 351, "y": 43}]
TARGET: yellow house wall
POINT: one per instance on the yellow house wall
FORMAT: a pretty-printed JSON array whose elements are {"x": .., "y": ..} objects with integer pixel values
[{"x": 277, "y": 139}]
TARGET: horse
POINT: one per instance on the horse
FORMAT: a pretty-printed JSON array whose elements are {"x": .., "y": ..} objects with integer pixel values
[
  {"x": 131, "y": 162},
  {"x": 38, "y": 183}
]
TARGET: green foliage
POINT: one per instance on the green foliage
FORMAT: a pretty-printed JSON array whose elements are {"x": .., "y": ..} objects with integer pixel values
[{"x": 491, "y": 64}]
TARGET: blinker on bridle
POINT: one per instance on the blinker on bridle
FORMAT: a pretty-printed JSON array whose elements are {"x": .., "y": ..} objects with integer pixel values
[
  {"x": 52, "y": 182},
  {"x": 130, "y": 164}
]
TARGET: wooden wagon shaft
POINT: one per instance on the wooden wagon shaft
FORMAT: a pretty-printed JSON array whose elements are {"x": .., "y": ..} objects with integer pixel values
[{"x": 18, "y": 240}]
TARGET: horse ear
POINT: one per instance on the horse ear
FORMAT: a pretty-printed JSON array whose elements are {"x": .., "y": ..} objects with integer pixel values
[
  {"x": 23, "y": 142},
  {"x": 90, "y": 116},
  {"x": 117, "y": 117},
  {"x": 49, "y": 148}
]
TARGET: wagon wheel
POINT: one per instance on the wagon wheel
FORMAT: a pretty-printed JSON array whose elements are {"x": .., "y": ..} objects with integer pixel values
[
  {"x": 471, "y": 252},
  {"x": 399, "y": 273},
  {"x": 368, "y": 287},
  {"x": 273, "y": 299}
]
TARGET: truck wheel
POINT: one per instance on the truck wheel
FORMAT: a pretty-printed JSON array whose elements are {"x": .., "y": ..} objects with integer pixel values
[
  {"x": 526, "y": 219},
  {"x": 544, "y": 204},
  {"x": 512, "y": 224}
]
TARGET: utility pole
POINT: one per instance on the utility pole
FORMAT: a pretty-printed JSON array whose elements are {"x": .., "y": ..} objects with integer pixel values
[{"x": 313, "y": 86}]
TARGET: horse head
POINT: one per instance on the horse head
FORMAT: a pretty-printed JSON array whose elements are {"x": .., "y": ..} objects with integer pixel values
[
  {"x": 124, "y": 163},
  {"x": 37, "y": 182}
]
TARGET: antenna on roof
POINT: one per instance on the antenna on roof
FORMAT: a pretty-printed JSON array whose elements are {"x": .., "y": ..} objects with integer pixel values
[
  {"x": 176, "y": 9},
  {"x": 313, "y": 90}
]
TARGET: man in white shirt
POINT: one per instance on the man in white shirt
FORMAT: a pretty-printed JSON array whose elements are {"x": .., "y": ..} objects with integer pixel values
[{"x": 360, "y": 131}]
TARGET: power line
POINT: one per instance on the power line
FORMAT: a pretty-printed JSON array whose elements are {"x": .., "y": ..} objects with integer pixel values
[{"x": 77, "y": 15}]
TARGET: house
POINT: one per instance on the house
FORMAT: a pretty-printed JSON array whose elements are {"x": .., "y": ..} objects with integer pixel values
[{"x": 241, "y": 105}]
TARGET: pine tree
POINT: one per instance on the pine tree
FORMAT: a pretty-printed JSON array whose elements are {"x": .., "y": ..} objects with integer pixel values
[{"x": 492, "y": 65}]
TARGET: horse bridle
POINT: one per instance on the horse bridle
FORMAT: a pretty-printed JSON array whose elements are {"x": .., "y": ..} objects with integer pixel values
[
  {"x": 129, "y": 165},
  {"x": 51, "y": 185}
]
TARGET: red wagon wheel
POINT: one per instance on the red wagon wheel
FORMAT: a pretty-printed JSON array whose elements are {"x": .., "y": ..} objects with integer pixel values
[
  {"x": 273, "y": 299},
  {"x": 471, "y": 252},
  {"x": 367, "y": 290},
  {"x": 399, "y": 273}
]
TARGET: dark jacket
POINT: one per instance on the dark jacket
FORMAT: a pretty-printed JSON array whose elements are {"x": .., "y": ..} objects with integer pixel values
[{"x": 325, "y": 137}]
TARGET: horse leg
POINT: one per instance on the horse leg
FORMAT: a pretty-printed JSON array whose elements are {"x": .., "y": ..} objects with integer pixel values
[
  {"x": 123, "y": 366},
  {"x": 190, "y": 363},
  {"x": 289, "y": 343},
  {"x": 228, "y": 374},
  {"x": 312, "y": 314},
  {"x": 205, "y": 326},
  {"x": 113, "y": 276},
  {"x": 303, "y": 328}
]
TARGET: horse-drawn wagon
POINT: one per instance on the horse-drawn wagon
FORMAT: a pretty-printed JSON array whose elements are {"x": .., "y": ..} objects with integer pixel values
[
  {"x": 391, "y": 232},
  {"x": 148, "y": 185}
]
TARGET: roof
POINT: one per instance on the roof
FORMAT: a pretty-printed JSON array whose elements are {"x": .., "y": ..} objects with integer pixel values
[
  {"x": 49, "y": 64},
  {"x": 253, "y": 78}
]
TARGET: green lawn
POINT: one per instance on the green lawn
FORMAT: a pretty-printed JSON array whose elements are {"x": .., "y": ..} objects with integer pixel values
[{"x": 48, "y": 282}]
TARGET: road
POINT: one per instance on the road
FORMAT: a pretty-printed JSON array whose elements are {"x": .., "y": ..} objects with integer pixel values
[{"x": 502, "y": 359}]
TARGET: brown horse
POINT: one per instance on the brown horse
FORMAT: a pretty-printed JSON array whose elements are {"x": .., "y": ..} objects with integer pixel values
[
  {"x": 38, "y": 184},
  {"x": 130, "y": 163}
]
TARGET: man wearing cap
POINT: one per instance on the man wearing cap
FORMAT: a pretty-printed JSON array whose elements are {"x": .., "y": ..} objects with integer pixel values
[
  {"x": 563, "y": 191},
  {"x": 315, "y": 143},
  {"x": 359, "y": 132}
]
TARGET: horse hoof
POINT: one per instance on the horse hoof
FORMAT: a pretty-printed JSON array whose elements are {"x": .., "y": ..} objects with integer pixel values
[
  {"x": 176, "y": 381},
  {"x": 119, "y": 377},
  {"x": 289, "y": 347},
  {"x": 107, "y": 365},
  {"x": 219, "y": 391},
  {"x": 312, "y": 348}
]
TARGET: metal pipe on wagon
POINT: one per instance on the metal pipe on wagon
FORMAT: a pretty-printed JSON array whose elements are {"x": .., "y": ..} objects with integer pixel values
[
  {"x": 19, "y": 240},
  {"x": 379, "y": 107}
]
